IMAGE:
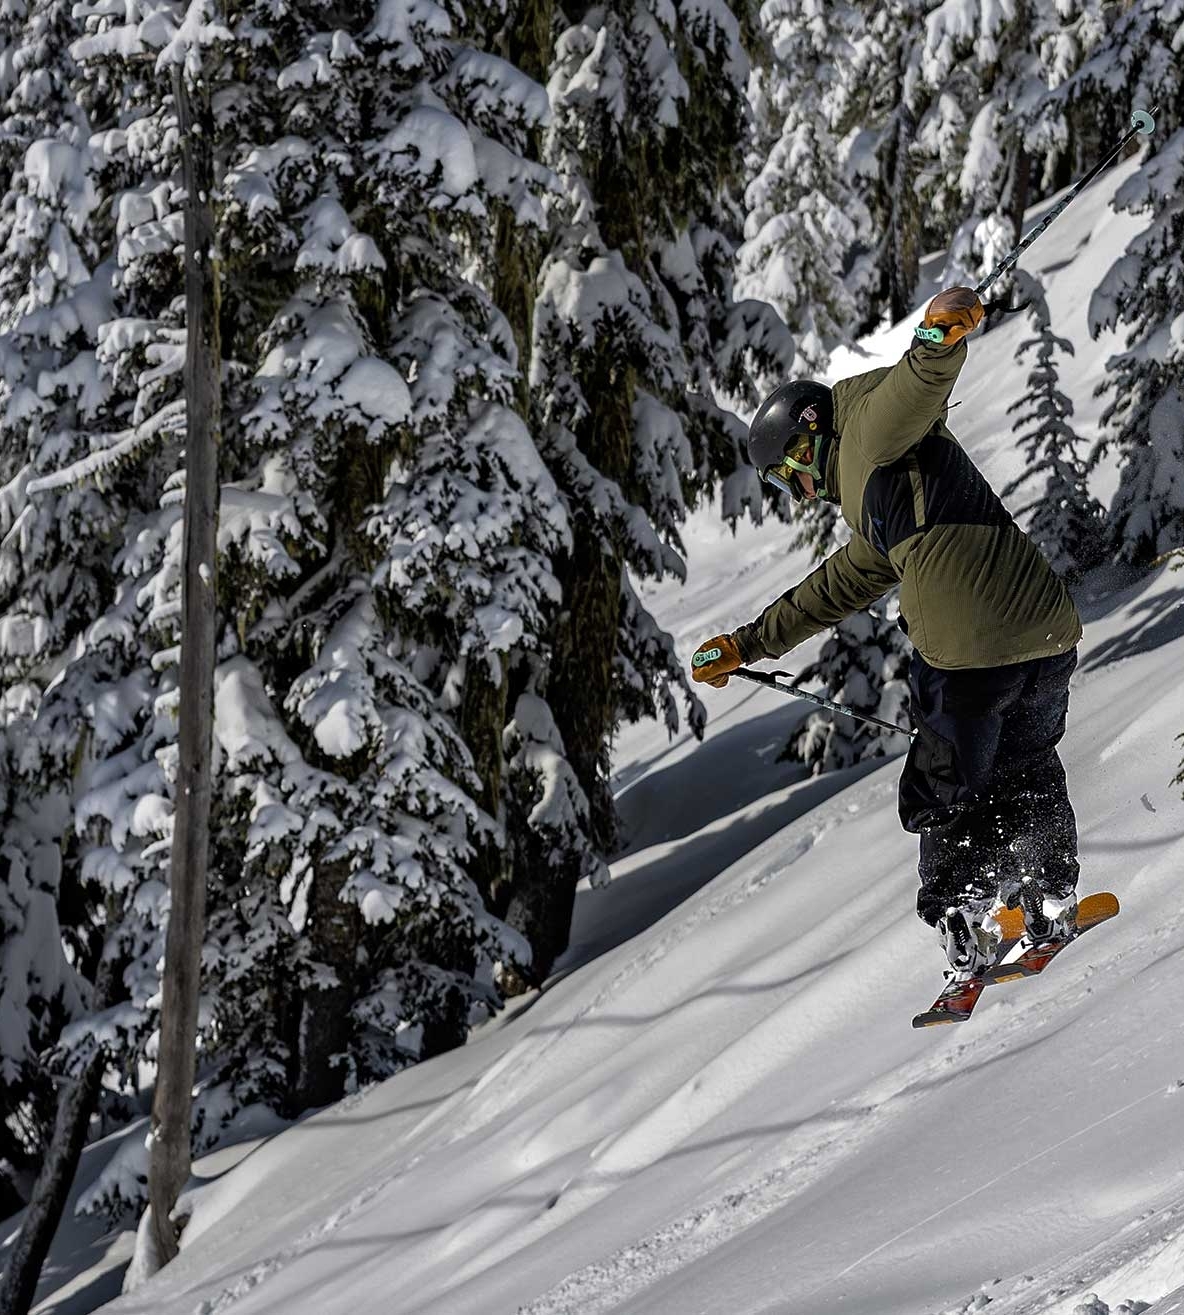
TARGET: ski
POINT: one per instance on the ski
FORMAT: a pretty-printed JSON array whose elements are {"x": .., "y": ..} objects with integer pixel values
[
  {"x": 1091, "y": 910},
  {"x": 957, "y": 1000},
  {"x": 954, "y": 1005}
]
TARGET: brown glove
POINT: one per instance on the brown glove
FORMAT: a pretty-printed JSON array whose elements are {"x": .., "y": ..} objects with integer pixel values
[
  {"x": 713, "y": 660},
  {"x": 956, "y": 312}
]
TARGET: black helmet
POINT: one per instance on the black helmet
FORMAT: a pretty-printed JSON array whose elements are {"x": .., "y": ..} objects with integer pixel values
[{"x": 799, "y": 409}]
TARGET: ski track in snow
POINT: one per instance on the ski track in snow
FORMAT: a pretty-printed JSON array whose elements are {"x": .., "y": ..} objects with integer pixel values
[
  {"x": 525, "y": 1059},
  {"x": 312, "y": 1237}
]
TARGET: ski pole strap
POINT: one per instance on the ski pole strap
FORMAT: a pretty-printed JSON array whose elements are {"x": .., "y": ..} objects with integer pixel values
[{"x": 770, "y": 680}]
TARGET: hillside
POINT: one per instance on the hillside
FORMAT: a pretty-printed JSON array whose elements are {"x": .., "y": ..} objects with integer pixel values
[{"x": 717, "y": 1104}]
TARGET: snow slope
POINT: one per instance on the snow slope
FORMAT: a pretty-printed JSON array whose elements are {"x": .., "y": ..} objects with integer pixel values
[{"x": 718, "y": 1105}]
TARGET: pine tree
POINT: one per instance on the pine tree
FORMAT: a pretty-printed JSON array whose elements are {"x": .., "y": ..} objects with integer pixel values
[
  {"x": 635, "y": 329},
  {"x": 879, "y": 101},
  {"x": 387, "y": 526},
  {"x": 1064, "y": 519},
  {"x": 1143, "y": 292},
  {"x": 976, "y": 68},
  {"x": 1059, "y": 129},
  {"x": 803, "y": 216},
  {"x": 863, "y": 664},
  {"x": 61, "y": 627},
  {"x": 995, "y": 132},
  {"x": 39, "y": 989}
]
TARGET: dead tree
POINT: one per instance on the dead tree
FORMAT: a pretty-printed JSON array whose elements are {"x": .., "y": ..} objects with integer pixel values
[
  {"x": 172, "y": 1107},
  {"x": 77, "y": 1097}
]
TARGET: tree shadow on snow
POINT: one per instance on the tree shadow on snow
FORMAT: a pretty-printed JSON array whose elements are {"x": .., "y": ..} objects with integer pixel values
[
  {"x": 1159, "y": 620},
  {"x": 104, "y": 1287},
  {"x": 608, "y": 917},
  {"x": 728, "y": 771}
]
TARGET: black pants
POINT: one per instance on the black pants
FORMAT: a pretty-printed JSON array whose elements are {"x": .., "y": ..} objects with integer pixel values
[{"x": 982, "y": 784}]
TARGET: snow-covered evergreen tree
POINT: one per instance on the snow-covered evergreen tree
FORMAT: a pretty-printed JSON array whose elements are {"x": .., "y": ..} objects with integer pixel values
[
  {"x": 1064, "y": 39},
  {"x": 63, "y": 628},
  {"x": 39, "y": 989},
  {"x": 863, "y": 664},
  {"x": 1142, "y": 295},
  {"x": 1063, "y": 517},
  {"x": 635, "y": 330},
  {"x": 880, "y": 98},
  {"x": 980, "y": 77},
  {"x": 995, "y": 132},
  {"x": 386, "y": 525},
  {"x": 803, "y": 216}
]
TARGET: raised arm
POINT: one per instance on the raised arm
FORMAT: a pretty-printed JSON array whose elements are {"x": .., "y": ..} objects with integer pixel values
[{"x": 901, "y": 409}]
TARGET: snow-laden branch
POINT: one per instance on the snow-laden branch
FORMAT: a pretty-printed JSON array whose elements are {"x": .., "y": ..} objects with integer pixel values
[{"x": 169, "y": 419}]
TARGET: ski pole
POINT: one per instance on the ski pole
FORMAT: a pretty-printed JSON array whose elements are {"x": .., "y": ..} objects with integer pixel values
[
  {"x": 769, "y": 679},
  {"x": 1142, "y": 125}
]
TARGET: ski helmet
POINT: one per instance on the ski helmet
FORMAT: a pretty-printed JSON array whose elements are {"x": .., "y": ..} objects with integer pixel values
[{"x": 800, "y": 409}]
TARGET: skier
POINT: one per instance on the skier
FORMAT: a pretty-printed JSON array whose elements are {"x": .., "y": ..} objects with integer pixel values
[{"x": 993, "y": 629}]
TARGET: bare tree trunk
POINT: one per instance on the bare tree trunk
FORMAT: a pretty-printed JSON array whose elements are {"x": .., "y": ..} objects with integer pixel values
[
  {"x": 901, "y": 256},
  {"x": 171, "y": 1110},
  {"x": 1016, "y": 189},
  {"x": 333, "y": 933},
  {"x": 76, "y": 1104},
  {"x": 482, "y": 720}
]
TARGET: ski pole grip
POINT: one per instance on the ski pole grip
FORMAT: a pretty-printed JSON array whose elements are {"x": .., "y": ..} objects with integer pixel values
[
  {"x": 936, "y": 334},
  {"x": 706, "y": 655}
]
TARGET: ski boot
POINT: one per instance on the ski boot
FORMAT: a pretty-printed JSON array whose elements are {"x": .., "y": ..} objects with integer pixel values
[
  {"x": 1047, "y": 918},
  {"x": 970, "y": 937}
]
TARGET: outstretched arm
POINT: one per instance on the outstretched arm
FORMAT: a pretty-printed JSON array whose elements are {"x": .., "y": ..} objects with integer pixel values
[
  {"x": 900, "y": 410},
  {"x": 848, "y": 581}
]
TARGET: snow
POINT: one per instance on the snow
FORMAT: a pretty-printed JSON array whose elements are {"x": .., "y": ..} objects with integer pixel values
[
  {"x": 246, "y": 728},
  {"x": 717, "y": 1103},
  {"x": 333, "y": 243},
  {"x": 396, "y": 21},
  {"x": 56, "y": 171},
  {"x": 430, "y": 141},
  {"x": 492, "y": 85}
]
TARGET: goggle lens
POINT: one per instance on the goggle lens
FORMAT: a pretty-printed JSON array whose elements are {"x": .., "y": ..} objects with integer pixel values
[
  {"x": 801, "y": 455},
  {"x": 800, "y": 449},
  {"x": 786, "y": 483}
]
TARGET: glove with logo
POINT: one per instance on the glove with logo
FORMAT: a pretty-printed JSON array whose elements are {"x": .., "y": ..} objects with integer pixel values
[
  {"x": 713, "y": 660},
  {"x": 951, "y": 315}
]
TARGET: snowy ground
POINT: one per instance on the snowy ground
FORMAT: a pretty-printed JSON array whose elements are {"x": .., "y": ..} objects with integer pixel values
[{"x": 718, "y": 1105}]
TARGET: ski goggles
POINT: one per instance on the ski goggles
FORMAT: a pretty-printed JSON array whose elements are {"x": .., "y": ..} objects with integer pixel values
[{"x": 801, "y": 456}]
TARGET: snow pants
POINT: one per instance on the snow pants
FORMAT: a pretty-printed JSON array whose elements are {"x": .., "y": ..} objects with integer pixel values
[{"x": 983, "y": 785}]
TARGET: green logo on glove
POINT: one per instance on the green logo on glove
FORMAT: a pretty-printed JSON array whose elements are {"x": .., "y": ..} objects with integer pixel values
[{"x": 705, "y": 656}]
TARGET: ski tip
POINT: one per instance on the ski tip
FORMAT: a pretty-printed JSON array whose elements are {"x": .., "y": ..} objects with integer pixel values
[{"x": 1096, "y": 908}]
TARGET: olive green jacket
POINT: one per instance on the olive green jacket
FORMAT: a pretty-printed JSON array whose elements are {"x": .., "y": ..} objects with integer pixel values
[{"x": 975, "y": 591}]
